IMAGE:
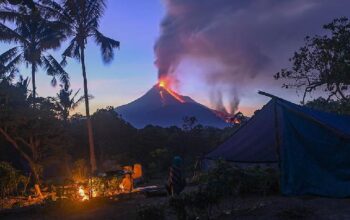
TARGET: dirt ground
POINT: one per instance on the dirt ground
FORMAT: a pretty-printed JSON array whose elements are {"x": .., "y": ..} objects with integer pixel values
[{"x": 249, "y": 207}]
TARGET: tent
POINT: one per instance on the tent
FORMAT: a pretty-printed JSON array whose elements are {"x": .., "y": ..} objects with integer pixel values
[{"x": 311, "y": 148}]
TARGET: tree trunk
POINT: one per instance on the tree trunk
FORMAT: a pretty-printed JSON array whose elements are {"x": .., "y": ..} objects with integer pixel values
[
  {"x": 88, "y": 120},
  {"x": 28, "y": 159},
  {"x": 33, "y": 84}
]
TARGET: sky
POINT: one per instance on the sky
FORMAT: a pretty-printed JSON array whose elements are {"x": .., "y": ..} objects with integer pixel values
[{"x": 210, "y": 46}]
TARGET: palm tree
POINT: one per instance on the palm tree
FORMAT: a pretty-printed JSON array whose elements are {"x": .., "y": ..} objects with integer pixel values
[
  {"x": 34, "y": 34},
  {"x": 65, "y": 102},
  {"x": 83, "y": 17},
  {"x": 8, "y": 64}
]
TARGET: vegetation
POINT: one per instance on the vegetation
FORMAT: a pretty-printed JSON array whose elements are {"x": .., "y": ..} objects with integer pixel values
[
  {"x": 322, "y": 65},
  {"x": 11, "y": 180},
  {"x": 35, "y": 126},
  {"x": 34, "y": 34},
  {"x": 51, "y": 145},
  {"x": 224, "y": 182},
  {"x": 81, "y": 19},
  {"x": 41, "y": 143}
]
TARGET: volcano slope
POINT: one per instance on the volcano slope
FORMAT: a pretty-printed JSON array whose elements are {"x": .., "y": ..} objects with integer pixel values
[{"x": 163, "y": 107}]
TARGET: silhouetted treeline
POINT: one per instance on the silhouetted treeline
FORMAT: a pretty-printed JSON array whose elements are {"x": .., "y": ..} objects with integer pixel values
[{"x": 42, "y": 140}]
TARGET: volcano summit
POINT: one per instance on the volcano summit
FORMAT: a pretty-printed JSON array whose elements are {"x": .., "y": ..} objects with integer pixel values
[{"x": 163, "y": 107}]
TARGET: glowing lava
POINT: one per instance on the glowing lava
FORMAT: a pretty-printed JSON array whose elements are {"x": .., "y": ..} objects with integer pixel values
[{"x": 164, "y": 83}]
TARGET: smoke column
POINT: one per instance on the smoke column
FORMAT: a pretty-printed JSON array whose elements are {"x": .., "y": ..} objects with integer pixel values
[{"x": 242, "y": 37}]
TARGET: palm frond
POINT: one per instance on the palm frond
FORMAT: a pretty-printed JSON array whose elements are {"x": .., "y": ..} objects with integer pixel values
[
  {"x": 11, "y": 15},
  {"x": 11, "y": 67},
  {"x": 95, "y": 8},
  {"x": 53, "y": 68},
  {"x": 8, "y": 55},
  {"x": 72, "y": 50},
  {"x": 10, "y": 36},
  {"x": 50, "y": 8},
  {"x": 106, "y": 45},
  {"x": 50, "y": 35},
  {"x": 74, "y": 102}
]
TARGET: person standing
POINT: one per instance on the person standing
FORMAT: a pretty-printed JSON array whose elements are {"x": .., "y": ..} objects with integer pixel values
[{"x": 176, "y": 182}]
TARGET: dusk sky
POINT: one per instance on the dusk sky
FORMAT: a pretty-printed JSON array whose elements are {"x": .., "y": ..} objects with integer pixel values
[{"x": 234, "y": 47}]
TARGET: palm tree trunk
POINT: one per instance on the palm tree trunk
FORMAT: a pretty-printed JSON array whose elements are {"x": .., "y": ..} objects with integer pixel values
[
  {"x": 28, "y": 159},
  {"x": 88, "y": 120},
  {"x": 33, "y": 83}
]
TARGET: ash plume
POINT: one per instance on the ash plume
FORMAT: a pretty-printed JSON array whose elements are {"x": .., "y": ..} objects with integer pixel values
[
  {"x": 217, "y": 100},
  {"x": 245, "y": 38}
]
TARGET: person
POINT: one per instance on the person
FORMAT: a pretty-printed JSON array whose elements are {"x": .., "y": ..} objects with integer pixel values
[{"x": 176, "y": 182}]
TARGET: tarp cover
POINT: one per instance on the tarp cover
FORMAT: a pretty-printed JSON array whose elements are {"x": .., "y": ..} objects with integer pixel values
[{"x": 313, "y": 148}]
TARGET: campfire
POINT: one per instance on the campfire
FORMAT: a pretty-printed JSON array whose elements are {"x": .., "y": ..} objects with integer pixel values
[
  {"x": 109, "y": 183},
  {"x": 82, "y": 194}
]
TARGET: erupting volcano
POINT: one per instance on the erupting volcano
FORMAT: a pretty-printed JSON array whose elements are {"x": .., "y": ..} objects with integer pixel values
[{"x": 164, "y": 107}]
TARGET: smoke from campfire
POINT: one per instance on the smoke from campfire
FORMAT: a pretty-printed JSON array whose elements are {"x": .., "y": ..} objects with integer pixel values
[{"x": 208, "y": 30}]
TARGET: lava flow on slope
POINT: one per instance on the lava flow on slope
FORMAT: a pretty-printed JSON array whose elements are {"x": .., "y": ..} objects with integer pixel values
[{"x": 164, "y": 83}]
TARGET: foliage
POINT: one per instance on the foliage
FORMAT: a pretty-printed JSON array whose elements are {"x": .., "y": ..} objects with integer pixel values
[
  {"x": 189, "y": 123},
  {"x": 155, "y": 212},
  {"x": 227, "y": 180},
  {"x": 34, "y": 33},
  {"x": 223, "y": 181},
  {"x": 161, "y": 159},
  {"x": 322, "y": 63},
  {"x": 336, "y": 106},
  {"x": 65, "y": 101},
  {"x": 35, "y": 133},
  {"x": 81, "y": 20},
  {"x": 261, "y": 181},
  {"x": 10, "y": 180},
  {"x": 42, "y": 135}
]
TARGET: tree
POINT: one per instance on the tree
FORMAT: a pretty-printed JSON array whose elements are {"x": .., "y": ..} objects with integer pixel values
[
  {"x": 82, "y": 18},
  {"x": 323, "y": 63},
  {"x": 30, "y": 131},
  {"x": 336, "y": 106},
  {"x": 35, "y": 33},
  {"x": 65, "y": 102}
]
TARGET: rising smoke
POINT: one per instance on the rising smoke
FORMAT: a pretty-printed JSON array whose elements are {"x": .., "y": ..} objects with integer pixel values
[{"x": 244, "y": 37}]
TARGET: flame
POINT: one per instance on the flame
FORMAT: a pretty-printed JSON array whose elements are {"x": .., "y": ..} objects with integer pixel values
[
  {"x": 164, "y": 83},
  {"x": 82, "y": 194},
  {"x": 94, "y": 193}
]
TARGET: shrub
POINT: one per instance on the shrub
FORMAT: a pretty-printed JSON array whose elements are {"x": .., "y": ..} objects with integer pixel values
[
  {"x": 226, "y": 180},
  {"x": 10, "y": 180}
]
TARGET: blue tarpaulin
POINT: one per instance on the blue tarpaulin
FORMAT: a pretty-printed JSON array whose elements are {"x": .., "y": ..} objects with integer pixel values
[{"x": 311, "y": 147}]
